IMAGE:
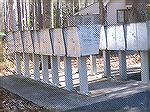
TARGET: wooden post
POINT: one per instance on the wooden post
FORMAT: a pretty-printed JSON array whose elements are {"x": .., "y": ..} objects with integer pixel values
[
  {"x": 145, "y": 67},
  {"x": 93, "y": 65},
  {"x": 107, "y": 69},
  {"x": 26, "y": 59},
  {"x": 54, "y": 64},
  {"x": 122, "y": 65},
  {"x": 45, "y": 72},
  {"x": 83, "y": 75},
  {"x": 36, "y": 59},
  {"x": 18, "y": 63},
  {"x": 68, "y": 73}
]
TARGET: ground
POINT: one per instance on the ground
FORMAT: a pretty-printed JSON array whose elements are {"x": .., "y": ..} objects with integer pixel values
[{"x": 10, "y": 102}]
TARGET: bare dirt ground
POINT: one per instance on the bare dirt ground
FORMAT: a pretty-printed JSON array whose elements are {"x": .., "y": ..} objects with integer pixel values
[{"x": 10, "y": 102}]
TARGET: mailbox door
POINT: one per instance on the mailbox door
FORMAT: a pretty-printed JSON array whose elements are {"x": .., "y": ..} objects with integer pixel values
[
  {"x": 137, "y": 38},
  {"x": 142, "y": 36},
  {"x": 120, "y": 37},
  {"x": 10, "y": 43},
  {"x": 102, "y": 39},
  {"x": 132, "y": 37},
  {"x": 58, "y": 42},
  {"x": 36, "y": 42},
  {"x": 27, "y": 41},
  {"x": 72, "y": 42},
  {"x": 89, "y": 36},
  {"x": 111, "y": 38},
  {"x": 18, "y": 42},
  {"x": 45, "y": 42},
  {"x": 115, "y": 38}
]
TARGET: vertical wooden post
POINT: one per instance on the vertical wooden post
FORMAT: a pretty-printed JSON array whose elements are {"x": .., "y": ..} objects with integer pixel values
[
  {"x": 107, "y": 69},
  {"x": 36, "y": 66},
  {"x": 83, "y": 75},
  {"x": 122, "y": 65},
  {"x": 93, "y": 65},
  {"x": 18, "y": 63},
  {"x": 58, "y": 59},
  {"x": 68, "y": 73},
  {"x": 45, "y": 72},
  {"x": 55, "y": 76},
  {"x": 26, "y": 59},
  {"x": 145, "y": 67}
]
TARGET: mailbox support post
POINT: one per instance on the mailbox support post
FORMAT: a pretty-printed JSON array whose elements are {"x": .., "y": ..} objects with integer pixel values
[
  {"x": 68, "y": 73},
  {"x": 107, "y": 69},
  {"x": 18, "y": 63},
  {"x": 145, "y": 68},
  {"x": 122, "y": 65},
  {"x": 54, "y": 64},
  {"x": 83, "y": 75},
  {"x": 93, "y": 65},
  {"x": 45, "y": 72},
  {"x": 26, "y": 59},
  {"x": 58, "y": 58},
  {"x": 36, "y": 66}
]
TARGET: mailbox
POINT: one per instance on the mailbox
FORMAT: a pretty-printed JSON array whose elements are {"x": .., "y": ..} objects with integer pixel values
[
  {"x": 103, "y": 44},
  {"x": 72, "y": 42},
  {"x": 45, "y": 42},
  {"x": 18, "y": 42},
  {"x": 10, "y": 43},
  {"x": 115, "y": 38},
  {"x": 27, "y": 41},
  {"x": 82, "y": 40},
  {"x": 58, "y": 42},
  {"x": 36, "y": 42},
  {"x": 137, "y": 38}
]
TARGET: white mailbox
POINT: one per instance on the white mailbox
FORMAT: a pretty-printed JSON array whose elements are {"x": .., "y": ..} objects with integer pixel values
[
  {"x": 103, "y": 44},
  {"x": 58, "y": 42},
  {"x": 115, "y": 38},
  {"x": 83, "y": 40},
  {"x": 36, "y": 42},
  {"x": 27, "y": 41},
  {"x": 45, "y": 42},
  {"x": 18, "y": 42},
  {"x": 10, "y": 42},
  {"x": 137, "y": 38}
]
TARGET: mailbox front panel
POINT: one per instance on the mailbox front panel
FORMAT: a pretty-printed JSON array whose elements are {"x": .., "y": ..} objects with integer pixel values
[
  {"x": 27, "y": 41},
  {"x": 36, "y": 42},
  {"x": 132, "y": 37},
  {"x": 45, "y": 42},
  {"x": 89, "y": 36},
  {"x": 18, "y": 42},
  {"x": 10, "y": 42},
  {"x": 103, "y": 44},
  {"x": 115, "y": 38},
  {"x": 58, "y": 42},
  {"x": 142, "y": 36},
  {"x": 137, "y": 38},
  {"x": 72, "y": 42}
]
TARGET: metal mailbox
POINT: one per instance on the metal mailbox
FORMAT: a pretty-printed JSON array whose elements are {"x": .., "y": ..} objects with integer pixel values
[
  {"x": 27, "y": 41},
  {"x": 58, "y": 42},
  {"x": 137, "y": 38},
  {"x": 10, "y": 43},
  {"x": 45, "y": 42},
  {"x": 83, "y": 40},
  {"x": 103, "y": 44},
  {"x": 115, "y": 38},
  {"x": 18, "y": 42},
  {"x": 36, "y": 42}
]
